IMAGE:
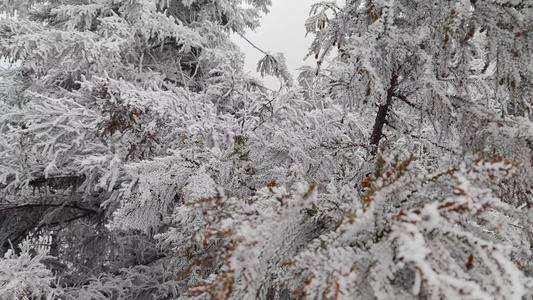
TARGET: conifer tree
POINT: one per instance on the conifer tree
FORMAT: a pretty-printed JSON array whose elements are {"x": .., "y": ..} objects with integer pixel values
[
  {"x": 105, "y": 92},
  {"x": 138, "y": 160}
]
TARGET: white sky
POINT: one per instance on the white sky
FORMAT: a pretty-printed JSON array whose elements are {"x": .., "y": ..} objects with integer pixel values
[{"x": 282, "y": 30}]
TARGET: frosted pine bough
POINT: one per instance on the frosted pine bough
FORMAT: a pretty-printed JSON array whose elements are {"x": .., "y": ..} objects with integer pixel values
[{"x": 138, "y": 160}]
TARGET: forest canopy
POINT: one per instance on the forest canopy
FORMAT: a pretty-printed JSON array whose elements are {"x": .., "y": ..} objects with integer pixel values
[{"x": 138, "y": 160}]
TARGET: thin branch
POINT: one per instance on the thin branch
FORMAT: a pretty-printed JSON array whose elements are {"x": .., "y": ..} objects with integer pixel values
[
  {"x": 404, "y": 99},
  {"x": 249, "y": 42},
  {"x": 35, "y": 205}
]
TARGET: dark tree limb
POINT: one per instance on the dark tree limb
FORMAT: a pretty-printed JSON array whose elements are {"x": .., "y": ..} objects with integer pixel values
[
  {"x": 381, "y": 116},
  {"x": 404, "y": 99},
  {"x": 84, "y": 207}
]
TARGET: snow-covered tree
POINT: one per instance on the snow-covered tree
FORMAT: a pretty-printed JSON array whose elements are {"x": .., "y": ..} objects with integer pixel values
[
  {"x": 446, "y": 82},
  {"x": 107, "y": 95},
  {"x": 139, "y": 161}
]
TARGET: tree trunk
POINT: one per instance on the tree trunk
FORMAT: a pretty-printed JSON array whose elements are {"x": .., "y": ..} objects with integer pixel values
[{"x": 381, "y": 116}]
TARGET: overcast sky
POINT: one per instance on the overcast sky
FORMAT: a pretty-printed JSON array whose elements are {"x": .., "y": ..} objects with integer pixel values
[{"x": 282, "y": 30}]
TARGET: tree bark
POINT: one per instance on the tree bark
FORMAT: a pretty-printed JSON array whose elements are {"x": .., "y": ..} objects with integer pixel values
[{"x": 381, "y": 116}]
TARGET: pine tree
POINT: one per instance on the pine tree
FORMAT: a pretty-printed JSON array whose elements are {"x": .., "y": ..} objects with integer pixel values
[
  {"x": 109, "y": 99},
  {"x": 441, "y": 81}
]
